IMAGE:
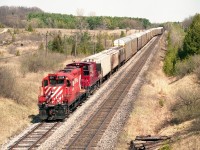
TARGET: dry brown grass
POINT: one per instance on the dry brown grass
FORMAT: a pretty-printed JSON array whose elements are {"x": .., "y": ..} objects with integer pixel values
[{"x": 13, "y": 118}]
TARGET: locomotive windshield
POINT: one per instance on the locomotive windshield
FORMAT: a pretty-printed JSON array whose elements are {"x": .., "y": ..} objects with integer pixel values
[{"x": 56, "y": 82}]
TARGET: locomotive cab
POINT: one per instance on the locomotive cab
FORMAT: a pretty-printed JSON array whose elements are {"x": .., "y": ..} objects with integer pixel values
[
  {"x": 89, "y": 74},
  {"x": 57, "y": 93}
]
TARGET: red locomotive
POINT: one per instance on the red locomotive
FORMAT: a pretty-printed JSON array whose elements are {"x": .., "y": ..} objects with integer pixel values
[{"x": 63, "y": 91}]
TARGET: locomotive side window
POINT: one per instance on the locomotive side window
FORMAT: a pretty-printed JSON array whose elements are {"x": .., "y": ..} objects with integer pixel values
[
  {"x": 86, "y": 70},
  {"x": 68, "y": 83},
  {"x": 85, "y": 67},
  {"x": 45, "y": 83},
  {"x": 86, "y": 73}
]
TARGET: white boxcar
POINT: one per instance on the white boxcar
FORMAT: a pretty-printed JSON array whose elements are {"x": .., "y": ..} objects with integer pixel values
[
  {"x": 114, "y": 54},
  {"x": 148, "y": 35},
  {"x": 121, "y": 51},
  {"x": 126, "y": 43},
  {"x": 103, "y": 62},
  {"x": 134, "y": 43},
  {"x": 139, "y": 40}
]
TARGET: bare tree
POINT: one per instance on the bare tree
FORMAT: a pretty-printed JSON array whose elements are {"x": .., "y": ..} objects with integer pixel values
[
  {"x": 92, "y": 13},
  {"x": 187, "y": 22},
  {"x": 81, "y": 23}
]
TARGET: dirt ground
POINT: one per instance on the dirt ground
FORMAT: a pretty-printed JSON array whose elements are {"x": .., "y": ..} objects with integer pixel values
[{"x": 151, "y": 110}]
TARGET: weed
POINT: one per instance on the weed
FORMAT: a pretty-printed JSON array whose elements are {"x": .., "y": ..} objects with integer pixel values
[
  {"x": 165, "y": 147},
  {"x": 161, "y": 102},
  {"x": 17, "y": 53}
]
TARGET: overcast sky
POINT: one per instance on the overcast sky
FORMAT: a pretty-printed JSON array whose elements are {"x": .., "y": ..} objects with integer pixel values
[{"x": 156, "y": 11}]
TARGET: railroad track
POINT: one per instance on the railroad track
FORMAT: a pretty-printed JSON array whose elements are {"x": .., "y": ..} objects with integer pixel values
[
  {"x": 92, "y": 131},
  {"x": 36, "y": 136}
]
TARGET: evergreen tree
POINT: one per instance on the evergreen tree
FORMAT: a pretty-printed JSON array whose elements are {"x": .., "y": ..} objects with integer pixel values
[
  {"x": 191, "y": 45},
  {"x": 57, "y": 44}
]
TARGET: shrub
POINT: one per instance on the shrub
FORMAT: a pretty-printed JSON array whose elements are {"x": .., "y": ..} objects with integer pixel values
[
  {"x": 165, "y": 147},
  {"x": 175, "y": 40},
  {"x": 7, "y": 82},
  {"x": 183, "y": 68},
  {"x": 41, "y": 61},
  {"x": 197, "y": 72},
  {"x": 57, "y": 45},
  {"x": 30, "y": 28},
  {"x": 187, "y": 66},
  {"x": 1, "y": 25},
  {"x": 187, "y": 106},
  {"x": 17, "y": 53},
  {"x": 122, "y": 34},
  {"x": 161, "y": 102}
]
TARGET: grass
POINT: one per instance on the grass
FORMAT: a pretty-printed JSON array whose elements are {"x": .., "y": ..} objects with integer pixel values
[
  {"x": 41, "y": 61},
  {"x": 13, "y": 118}
]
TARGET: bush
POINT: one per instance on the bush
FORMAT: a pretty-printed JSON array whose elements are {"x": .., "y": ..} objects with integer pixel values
[
  {"x": 161, "y": 102},
  {"x": 183, "y": 68},
  {"x": 41, "y": 61},
  {"x": 1, "y": 25},
  {"x": 187, "y": 106},
  {"x": 29, "y": 28},
  {"x": 197, "y": 72},
  {"x": 187, "y": 66},
  {"x": 7, "y": 82},
  {"x": 175, "y": 39},
  {"x": 17, "y": 53},
  {"x": 122, "y": 34}
]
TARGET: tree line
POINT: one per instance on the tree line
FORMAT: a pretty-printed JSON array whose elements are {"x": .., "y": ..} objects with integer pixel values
[
  {"x": 20, "y": 17},
  {"x": 52, "y": 20}
]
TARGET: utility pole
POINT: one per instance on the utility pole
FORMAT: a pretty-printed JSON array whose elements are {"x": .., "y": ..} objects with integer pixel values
[
  {"x": 46, "y": 43},
  {"x": 75, "y": 45},
  {"x": 65, "y": 44},
  {"x": 94, "y": 48}
]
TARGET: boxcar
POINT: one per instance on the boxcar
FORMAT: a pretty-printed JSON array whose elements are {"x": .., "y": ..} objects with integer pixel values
[
  {"x": 103, "y": 62},
  {"x": 114, "y": 54},
  {"x": 134, "y": 43},
  {"x": 126, "y": 43}
]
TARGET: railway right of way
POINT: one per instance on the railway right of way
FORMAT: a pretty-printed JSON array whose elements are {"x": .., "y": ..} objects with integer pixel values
[{"x": 92, "y": 131}]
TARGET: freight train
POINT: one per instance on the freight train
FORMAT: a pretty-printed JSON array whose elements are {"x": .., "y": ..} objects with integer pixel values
[{"x": 63, "y": 91}]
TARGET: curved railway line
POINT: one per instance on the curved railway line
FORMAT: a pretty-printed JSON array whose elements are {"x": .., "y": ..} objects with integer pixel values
[
  {"x": 92, "y": 131},
  {"x": 36, "y": 136}
]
